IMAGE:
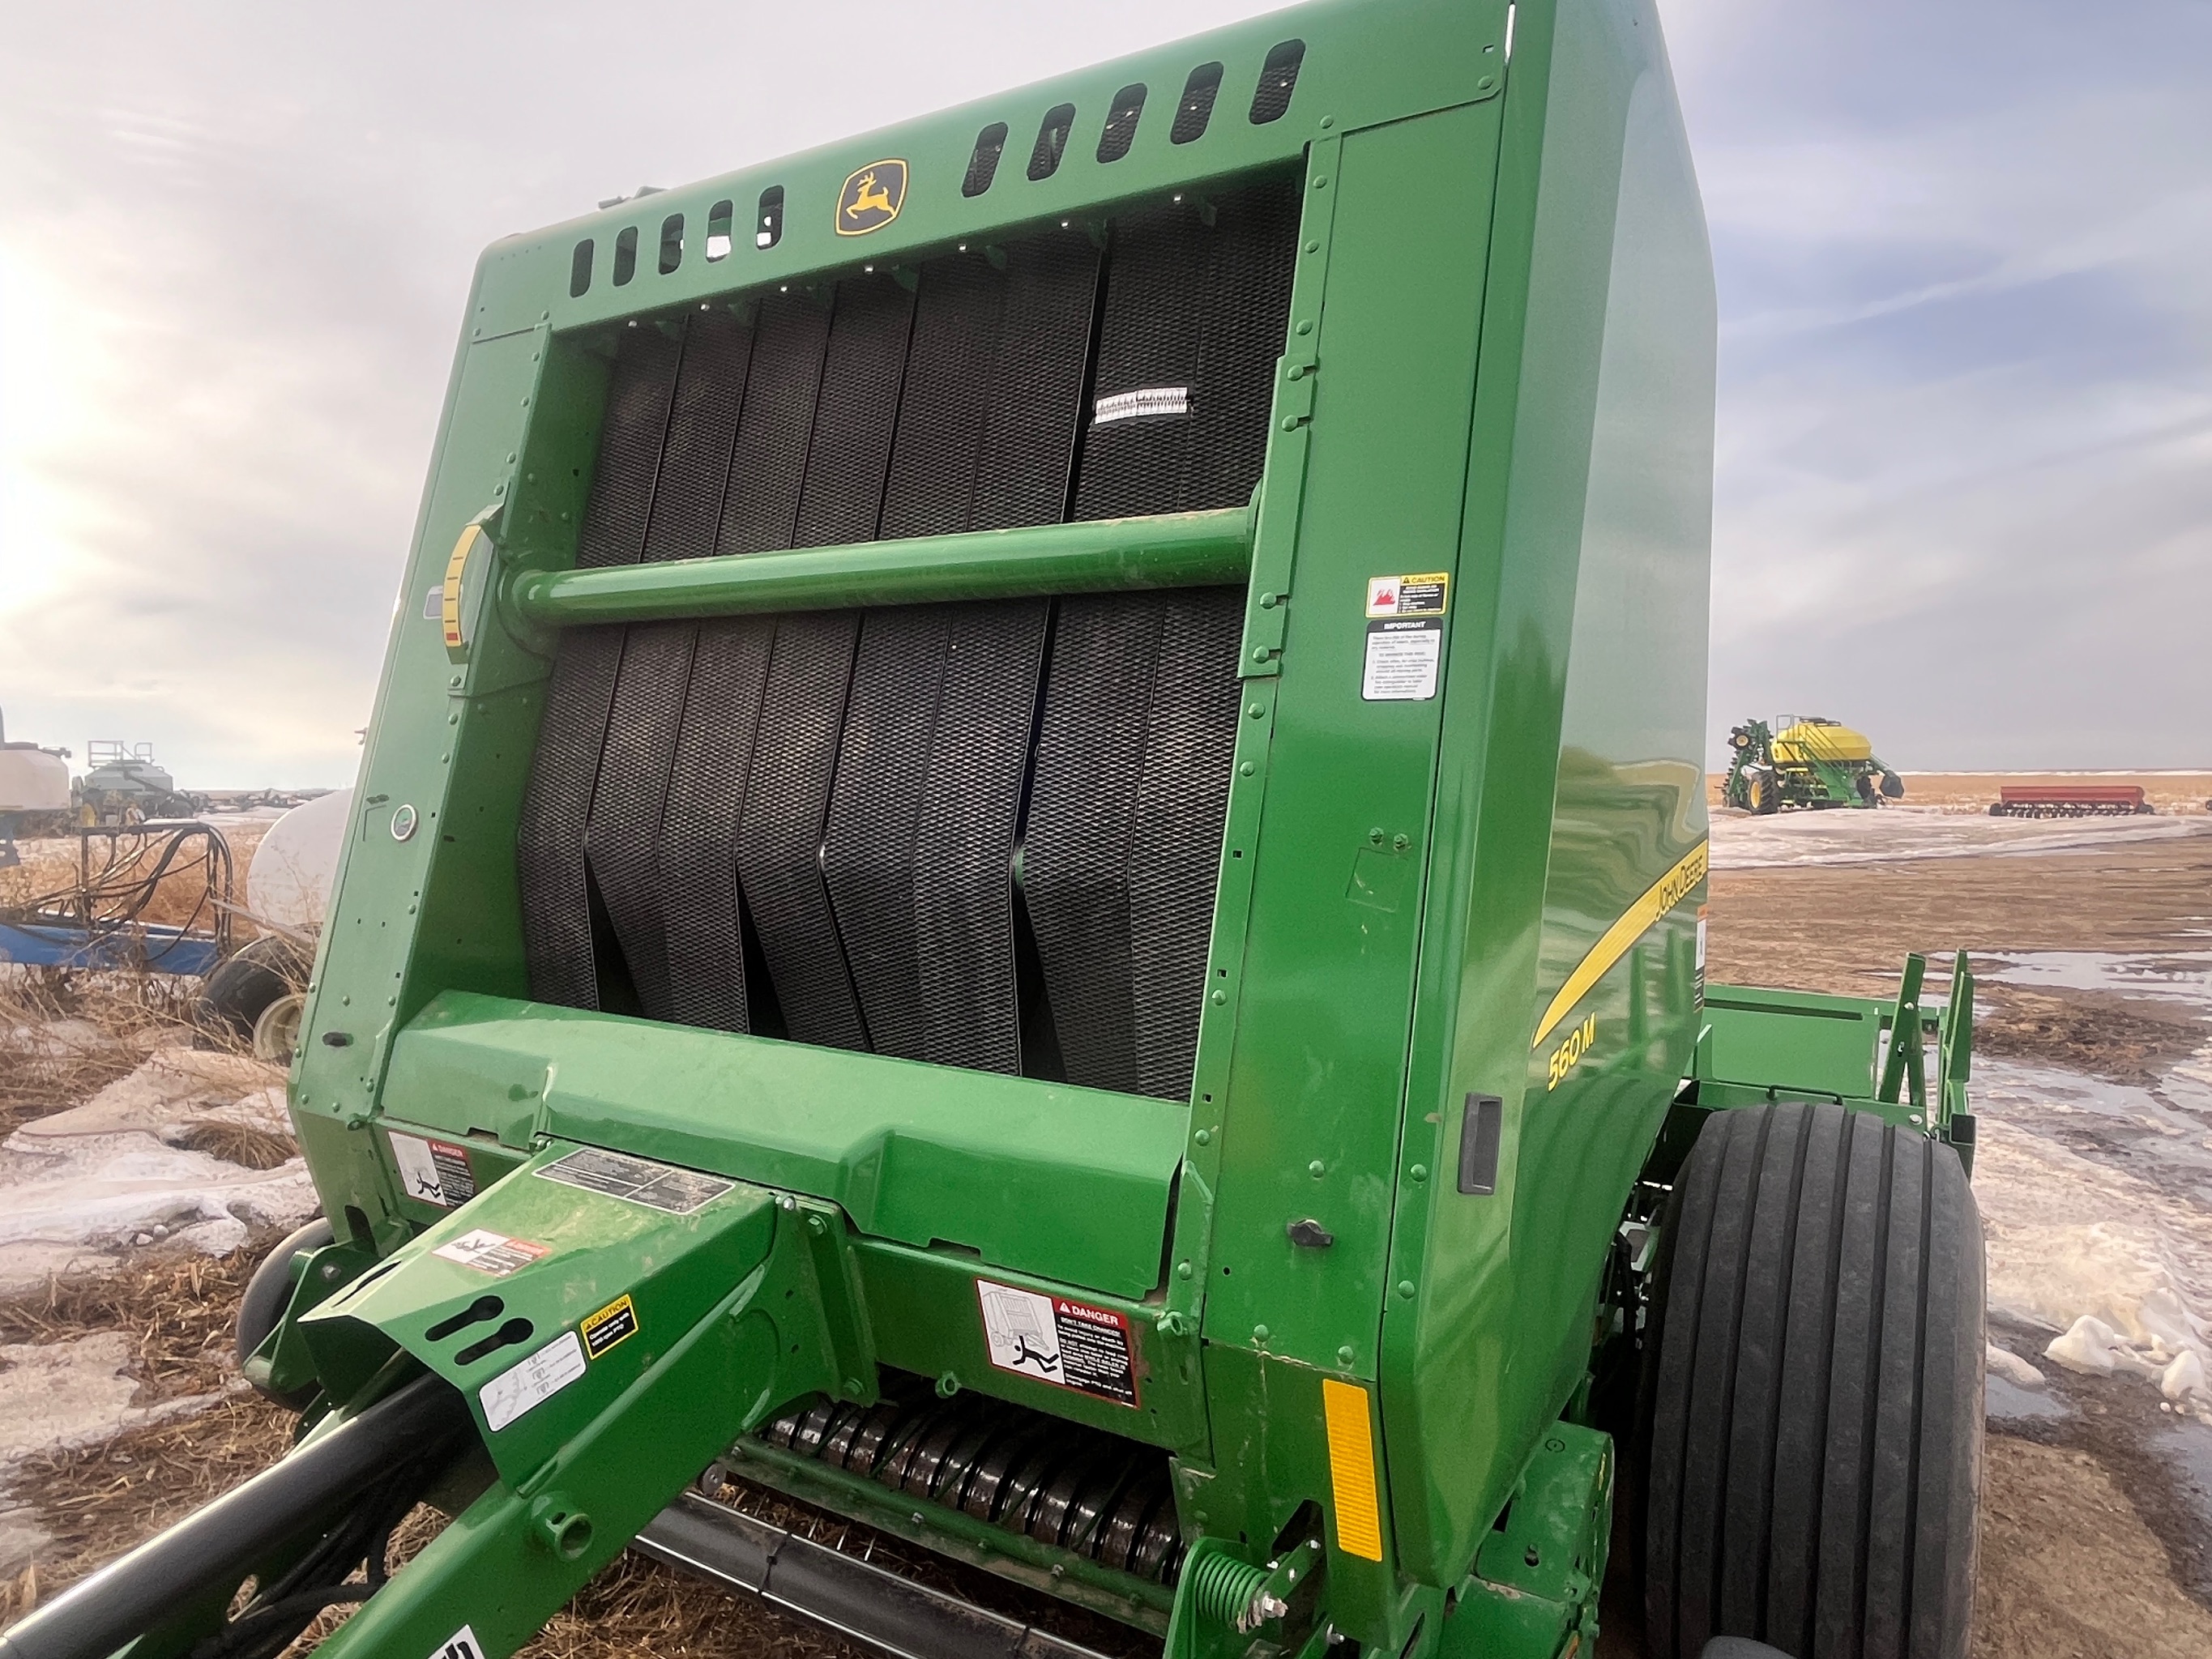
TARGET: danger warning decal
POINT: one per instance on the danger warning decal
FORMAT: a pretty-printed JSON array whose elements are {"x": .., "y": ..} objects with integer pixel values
[
  {"x": 435, "y": 1171},
  {"x": 1053, "y": 1339},
  {"x": 492, "y": 1252}
]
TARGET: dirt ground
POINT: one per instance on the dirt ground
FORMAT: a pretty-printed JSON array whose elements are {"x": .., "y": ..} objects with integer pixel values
[{"x": 2090, "y": 1544}]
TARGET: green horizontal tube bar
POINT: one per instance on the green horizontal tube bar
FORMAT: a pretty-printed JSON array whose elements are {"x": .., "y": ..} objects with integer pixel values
[{"x": 1174, "y": 550}]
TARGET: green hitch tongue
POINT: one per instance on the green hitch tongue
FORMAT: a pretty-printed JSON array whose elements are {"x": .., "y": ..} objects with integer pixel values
[{"x": 614, "y": 1325}]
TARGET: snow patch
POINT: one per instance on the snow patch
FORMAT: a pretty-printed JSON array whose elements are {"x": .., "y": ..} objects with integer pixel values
[
  {"x": 1889, "y": 833},
  {"x": 2121, "y": 1270},
  {"x": 81, "y": 1184},
  {"x": 2011, "y": 1367},
  {"x": 66, "y": 1394}
]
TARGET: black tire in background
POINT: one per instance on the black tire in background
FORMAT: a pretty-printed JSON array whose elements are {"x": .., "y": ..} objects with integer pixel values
[
  {"x": 269, "y": 1292},
  {"x": 1811, "y": 1433},
  {"x": 243, "y": 985}
]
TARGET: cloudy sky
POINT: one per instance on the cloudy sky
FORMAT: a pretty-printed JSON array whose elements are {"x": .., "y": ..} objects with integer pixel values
[{"x": 1964, "y": 482}]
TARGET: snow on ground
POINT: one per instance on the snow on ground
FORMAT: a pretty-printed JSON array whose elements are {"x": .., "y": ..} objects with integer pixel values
[
  {"x": 60, "y": 1396},
  {"x": 1887, "y": 834},
  {"x": 81, "y": 1185},
  {"x": 2120, "y": 1272},
  {"x": 2097, "y": 1196}
]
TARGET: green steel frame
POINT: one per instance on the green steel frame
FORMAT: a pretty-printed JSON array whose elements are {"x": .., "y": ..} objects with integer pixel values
[{"x": 1499, "y": 368}]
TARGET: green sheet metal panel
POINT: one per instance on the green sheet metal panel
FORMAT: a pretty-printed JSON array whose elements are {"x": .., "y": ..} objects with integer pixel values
[
  {"x": 1364, "y": 63},
  {"x": 1490, "y": 1292},
  {"x": 1067, "y": 1183},
  {"x": 1318, "y": 1071},
  {"x": 1792, "y": 1041}
]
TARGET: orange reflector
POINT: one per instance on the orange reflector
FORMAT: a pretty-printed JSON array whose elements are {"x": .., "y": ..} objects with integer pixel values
[{"x": 1351, "y": 1469}]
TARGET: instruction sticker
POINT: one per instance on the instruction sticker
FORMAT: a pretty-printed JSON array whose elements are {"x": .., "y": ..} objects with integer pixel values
[
  {"x": 492, "y": 1252},
  {"x": 638, "y": 1179},
  {"x": 537, "y": 1379},
  {"x": 1428, "y": 595},
  {"x": 1402, "y": 658},
  {"x": 461, "y": 1644},
  {"x": 616, "y": 1322},
  {"x": 435, "y": 1171},
  {"x": 1070, "y": 1344}
]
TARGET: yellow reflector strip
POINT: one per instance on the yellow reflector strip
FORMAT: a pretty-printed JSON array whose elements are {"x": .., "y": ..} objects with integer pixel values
[
  {"x": 456, "y": 568},
  {"x": 1351, "y": 1469}
]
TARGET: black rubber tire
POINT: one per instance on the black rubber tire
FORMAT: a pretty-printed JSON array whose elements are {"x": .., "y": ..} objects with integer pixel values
[
  {"x": 1811, "y": 1434},
  {"x": 243, "y": 985},
  {"x": 267, "y": 1294}
]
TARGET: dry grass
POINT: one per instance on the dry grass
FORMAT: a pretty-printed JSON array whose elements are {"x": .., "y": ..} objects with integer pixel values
[
  {"x": 99, "y": 1501},
  {"x": 128, "y": 1014},
  {"x": 239, "y": 1143}
]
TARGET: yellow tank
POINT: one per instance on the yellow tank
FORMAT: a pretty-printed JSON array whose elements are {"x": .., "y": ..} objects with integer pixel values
[{"x": 1819, "y": 740}]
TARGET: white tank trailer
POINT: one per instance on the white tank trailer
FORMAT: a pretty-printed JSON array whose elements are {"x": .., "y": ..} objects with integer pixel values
[{"x": 34, "y": 793}]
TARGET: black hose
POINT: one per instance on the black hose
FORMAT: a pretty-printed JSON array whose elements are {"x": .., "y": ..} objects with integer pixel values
[{"x": 218, "y": 1544}]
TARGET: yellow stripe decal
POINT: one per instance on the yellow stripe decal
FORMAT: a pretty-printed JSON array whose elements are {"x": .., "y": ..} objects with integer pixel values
[
  {"x": 1669, "y": 890},
  {"x": 1351, "y": 1469}
]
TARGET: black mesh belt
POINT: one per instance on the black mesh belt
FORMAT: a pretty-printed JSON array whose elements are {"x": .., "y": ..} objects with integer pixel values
[
  {"x": 836, "y": 798},
  {"x": 1175, "y": 847},
  {"x": 1123, "y": 842},
  {"x": 780, "y": 832},
  {"x": 623, "y": 836},
  {"x": 770, "y": 460},
  {"x": 556, "y": 927},
  {"x": 1200, "y": 308},
  {"x": 697, "y": 860}
]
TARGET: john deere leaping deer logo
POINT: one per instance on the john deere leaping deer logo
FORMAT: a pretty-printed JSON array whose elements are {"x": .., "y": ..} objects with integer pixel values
[{"x": 872, "y": 198}]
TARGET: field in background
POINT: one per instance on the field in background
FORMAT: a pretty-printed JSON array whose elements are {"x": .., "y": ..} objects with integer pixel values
[{"x": 2177, "y": 793}]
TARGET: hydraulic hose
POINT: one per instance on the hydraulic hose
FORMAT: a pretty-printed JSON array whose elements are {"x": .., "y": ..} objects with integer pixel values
[{"x": 220, "y": 1543}]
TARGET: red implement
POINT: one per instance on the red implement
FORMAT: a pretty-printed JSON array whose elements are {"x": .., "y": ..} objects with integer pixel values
[{"x": 2069, "y": 800}]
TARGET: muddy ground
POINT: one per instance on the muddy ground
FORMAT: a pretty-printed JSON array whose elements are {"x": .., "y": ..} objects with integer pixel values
[{"x": 2093, "y": 1543}]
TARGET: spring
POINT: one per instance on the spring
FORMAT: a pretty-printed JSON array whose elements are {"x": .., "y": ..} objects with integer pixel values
[{"x": 1225, "y": 1588}]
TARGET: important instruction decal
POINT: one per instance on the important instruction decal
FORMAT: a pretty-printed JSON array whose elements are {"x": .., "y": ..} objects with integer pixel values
[
  {"x": 492, "y": 1252},
  {"x": 435, "y": 1171},
  {"x": 536, "y": 1380},
  {"x": 1402, "y": 659},
  {"x": 636, "y": 1180},
  {"x": 1070, "y": 1344},
  {"x": 461, "y": 1644}
]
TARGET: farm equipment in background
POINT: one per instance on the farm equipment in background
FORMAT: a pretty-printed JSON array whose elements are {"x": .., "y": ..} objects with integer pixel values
[
  {"x": 160, "y": 898},
  {"x": 1811, "y": 762},
  {"x": 919, "y": 937},
  {"x": 2072, "y": 801},
  {"x": 104, "y": 920},
  {"x": 34, "y": 794},
  {"x": 126, "y": 785}
]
